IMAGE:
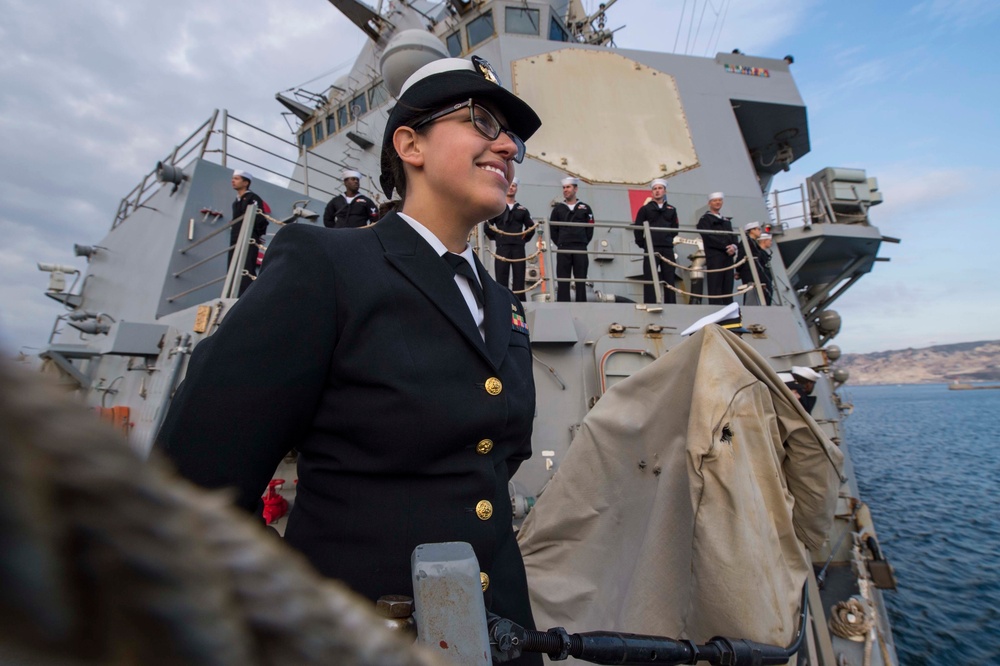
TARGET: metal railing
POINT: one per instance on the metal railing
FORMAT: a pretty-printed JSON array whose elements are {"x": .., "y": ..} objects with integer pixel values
[
  {"x": 800, "y": 214},
  {"x": 649, "y": 255},
  {"x": 259, "y": 149}
]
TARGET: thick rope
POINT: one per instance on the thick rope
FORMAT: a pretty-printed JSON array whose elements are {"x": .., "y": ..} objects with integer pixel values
[
  {"x": 703, "y": 270},
  {"x": 513, "y": 233},
  {"x": 849, "y": 619},
  {"x": 528, "y": 288},
  {"x": 739, "y": 292},
  {"x": 513, "y": 261},
  {"x": 112, "y": 560}
]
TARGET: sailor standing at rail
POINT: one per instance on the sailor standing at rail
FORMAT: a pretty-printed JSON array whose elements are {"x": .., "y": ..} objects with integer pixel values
[
  {"x": 660, "y": 215},
  {"x": 764, "y": 267},
  {"x": 720, "y": 250},
  {"x": 244, "y": 197},
  {"x": 513, "y": 225},
  {"x": 351, "y": 209},
  {"x": 753, "y": 232},
  {"x": 571, "y": 238}
]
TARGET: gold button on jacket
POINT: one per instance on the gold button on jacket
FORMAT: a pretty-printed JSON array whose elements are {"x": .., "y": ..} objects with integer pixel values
[
  {"x": 494, "y": 386},
  {"x": 484, "y": 446},
  {"x": 484, "y": 579},
  {"x": 484, "y": 510}
]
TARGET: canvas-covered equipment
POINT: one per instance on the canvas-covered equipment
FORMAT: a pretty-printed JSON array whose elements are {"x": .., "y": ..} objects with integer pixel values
[{"x": 684, "y": 502}]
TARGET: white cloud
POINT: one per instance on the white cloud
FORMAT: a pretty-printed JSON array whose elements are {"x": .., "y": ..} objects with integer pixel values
[{"x": 958, "y": 14}]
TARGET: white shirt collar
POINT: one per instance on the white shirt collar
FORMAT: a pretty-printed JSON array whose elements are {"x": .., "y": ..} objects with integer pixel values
[{"x": 437, "y": 245}]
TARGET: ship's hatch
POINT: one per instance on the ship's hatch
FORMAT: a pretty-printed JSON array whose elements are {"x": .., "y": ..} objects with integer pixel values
[
  {"x": 630, "y": 114},
  {"x": 775, "y": 134}
]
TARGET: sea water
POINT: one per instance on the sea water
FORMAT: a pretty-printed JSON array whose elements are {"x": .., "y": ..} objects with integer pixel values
[{"x": 927, "y": 461}]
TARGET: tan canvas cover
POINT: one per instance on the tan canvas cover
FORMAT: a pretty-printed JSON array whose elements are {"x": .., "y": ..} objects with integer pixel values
[{"x": 677, "y": 508}]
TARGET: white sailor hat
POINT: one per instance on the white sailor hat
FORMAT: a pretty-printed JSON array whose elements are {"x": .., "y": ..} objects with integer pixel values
[
  {"x": 515, "y": 181},
  {"x": 715, "y": 195},
  {"x": 749, "y": 226},
  {"x": 347, "y": 173},
  {"x": 764, "y": 236},
  {"x": 243, "y": 174},
  {"x": 658, "y": 181},
  {"x": 803, "y": 372},
  {"x": 570, "y": 180},
  {"x": 728, "y": 318},
  {"x": 446, "y": 81}
]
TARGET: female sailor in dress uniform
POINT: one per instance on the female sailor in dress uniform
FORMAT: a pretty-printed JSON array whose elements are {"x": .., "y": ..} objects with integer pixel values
[{"x": 388, "y": 357}]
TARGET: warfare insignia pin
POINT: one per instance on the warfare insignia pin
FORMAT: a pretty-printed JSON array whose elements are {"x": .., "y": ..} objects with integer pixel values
[{"x": 486, "y": 69}]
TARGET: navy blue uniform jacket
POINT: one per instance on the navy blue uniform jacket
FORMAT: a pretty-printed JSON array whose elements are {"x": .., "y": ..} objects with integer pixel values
[{"x": 356, "y": 347}]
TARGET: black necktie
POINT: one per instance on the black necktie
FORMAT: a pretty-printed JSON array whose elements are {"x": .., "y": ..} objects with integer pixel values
[{"x": 462, "y": 267}]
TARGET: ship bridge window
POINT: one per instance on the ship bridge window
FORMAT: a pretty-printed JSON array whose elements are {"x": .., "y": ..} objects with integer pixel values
[
  {"x": 342, "y": 117},
  {"x": 331, "y": 125},
  {"x": 318, "y": 130},
  {"x": 454, "y": 42},
  {"x": 306, "y": 138},
  {"x": 359, "y": 106},
  {"x": 480, "y": 29},
  {"x": 557, "y": 33},
  {"x": 520, "y": 21},
  {"x": 378, "y": 95}
]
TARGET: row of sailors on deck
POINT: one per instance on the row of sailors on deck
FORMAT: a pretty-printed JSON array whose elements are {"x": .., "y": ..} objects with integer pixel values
[{"x": 513, "y": 228}]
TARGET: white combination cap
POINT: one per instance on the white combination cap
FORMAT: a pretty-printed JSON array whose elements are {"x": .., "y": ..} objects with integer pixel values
[
  {"x": 243, "y": 174},
  {"x": 658, "y": 181},
  {"x": 805, "y": 373},
  {"x": 570, "y": 180},
  {"x": 437, "y": 67},
  {"x": 347, "y": 173},
  {"x": 749, "y": 226},
  {"x": 728, "y": 318},
  {"x": 715, "y": 195}
]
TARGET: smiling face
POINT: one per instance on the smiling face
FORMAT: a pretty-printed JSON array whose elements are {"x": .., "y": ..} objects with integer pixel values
[
  {"x": 715, "y": 205},
  {"x": 455, "y": 173}
]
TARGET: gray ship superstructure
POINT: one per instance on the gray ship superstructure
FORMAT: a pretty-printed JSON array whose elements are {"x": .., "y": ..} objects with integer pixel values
[{"x": 160, "y": 281}]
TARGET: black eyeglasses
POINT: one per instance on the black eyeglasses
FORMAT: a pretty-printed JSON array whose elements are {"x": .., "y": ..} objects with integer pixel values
[{"x": 484, "y": 122}]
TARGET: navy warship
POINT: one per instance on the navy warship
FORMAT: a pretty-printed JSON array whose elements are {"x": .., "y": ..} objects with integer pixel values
[{"x": 166, "y": 273}]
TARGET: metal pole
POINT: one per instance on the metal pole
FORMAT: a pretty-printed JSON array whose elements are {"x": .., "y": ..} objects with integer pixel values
[
  {"x": 305, "y": 169},
  {"x": 651, "y": 260},
  {"x": 225, "y": 136},
  {"x": 550, "y": 274},
  {"x": 805, "y": 203},
  {"x": 208, "y": 134},
  {"x": 231, "y": 287}
]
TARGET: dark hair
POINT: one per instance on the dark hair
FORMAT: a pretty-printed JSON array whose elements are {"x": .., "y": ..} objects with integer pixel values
[{"x": 391, "y": 162}]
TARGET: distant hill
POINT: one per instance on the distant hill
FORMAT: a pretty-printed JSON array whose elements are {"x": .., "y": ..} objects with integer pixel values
[{"x": 965, "y": 362}]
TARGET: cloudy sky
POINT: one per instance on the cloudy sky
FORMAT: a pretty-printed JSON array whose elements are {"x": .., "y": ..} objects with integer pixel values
[{"x": 95, "y": 93}]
